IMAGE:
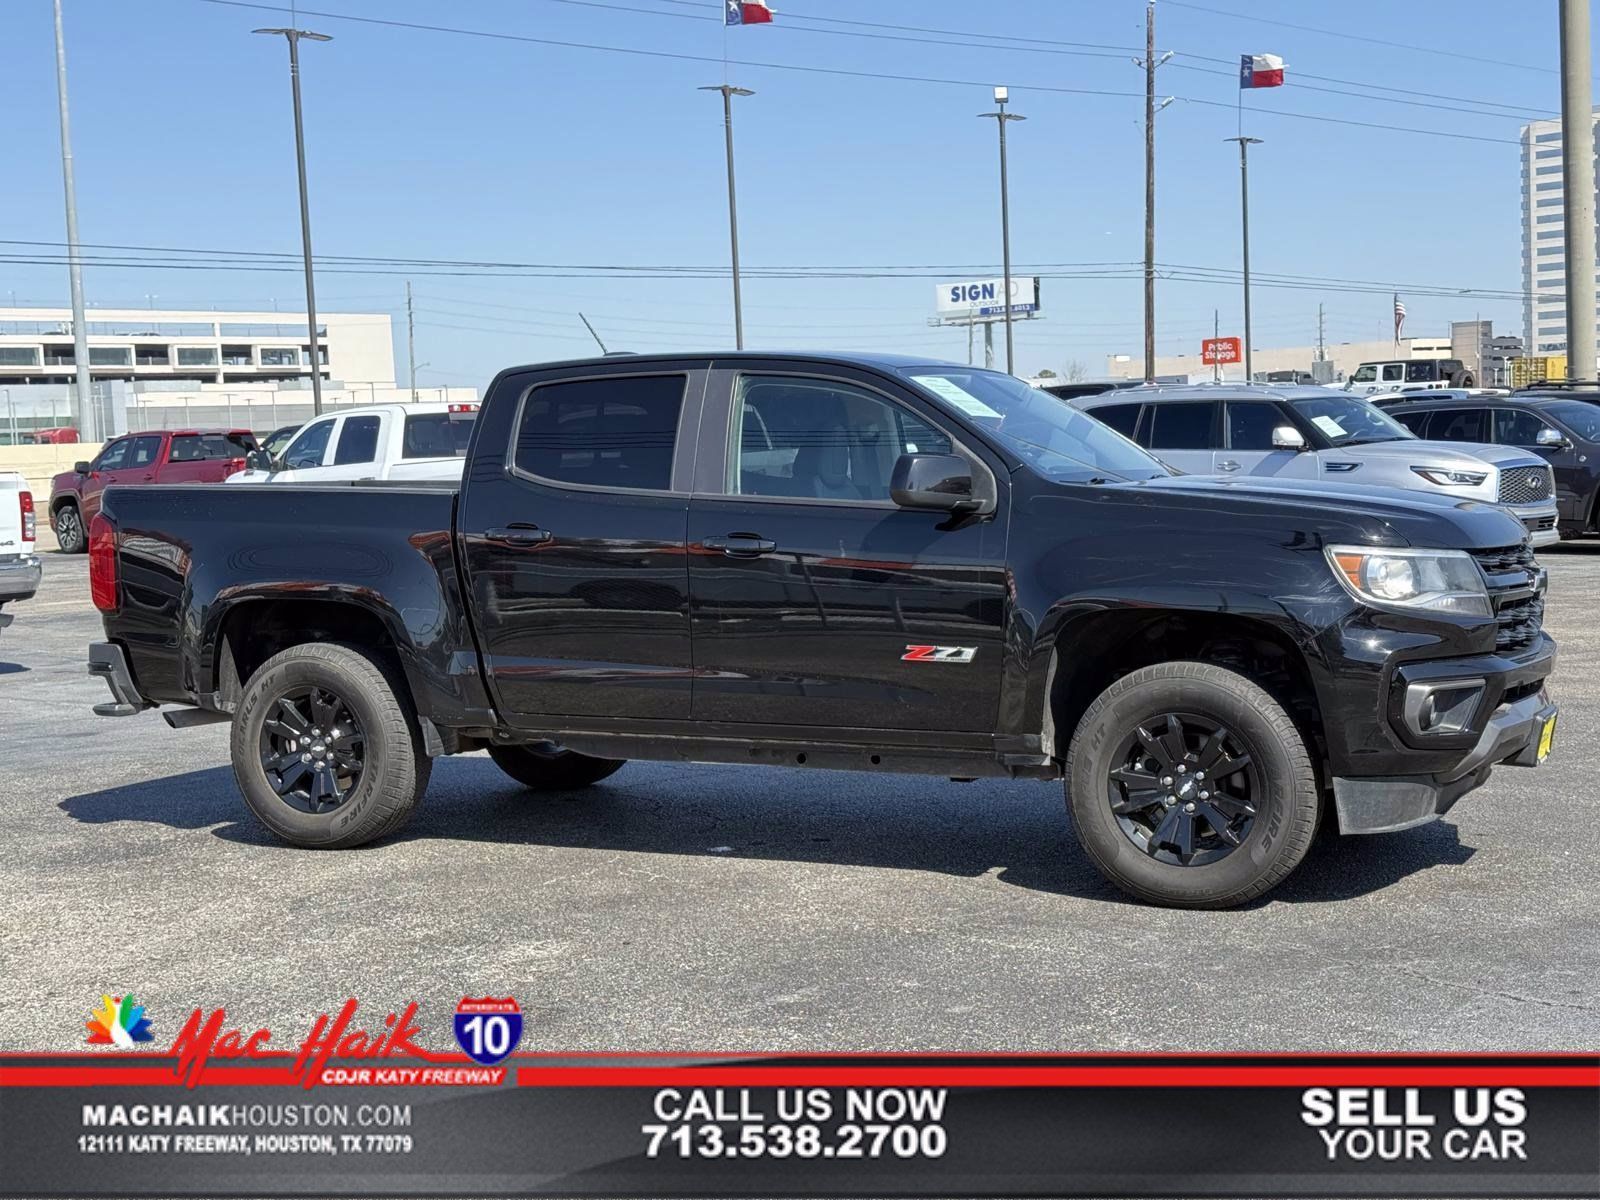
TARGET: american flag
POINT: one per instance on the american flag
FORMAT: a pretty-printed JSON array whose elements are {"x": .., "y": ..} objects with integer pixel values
[{"x": 1399, "y": 316}]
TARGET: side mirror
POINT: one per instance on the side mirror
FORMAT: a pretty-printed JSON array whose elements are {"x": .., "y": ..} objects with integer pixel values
[
  {"x": 936, "y": 481},
  {"x": 1287, "y": 437},
  {"x": 259, "y": 460},
  {"x": 82, "y": 468},
  {"x": 1553, "y": 438}
]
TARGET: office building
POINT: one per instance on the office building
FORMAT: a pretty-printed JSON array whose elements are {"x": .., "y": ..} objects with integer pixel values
[{"x": 1544, "y": 247}]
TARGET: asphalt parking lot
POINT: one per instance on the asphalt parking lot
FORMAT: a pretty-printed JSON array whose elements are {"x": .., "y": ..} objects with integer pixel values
[{"x": 711, "y": 907}]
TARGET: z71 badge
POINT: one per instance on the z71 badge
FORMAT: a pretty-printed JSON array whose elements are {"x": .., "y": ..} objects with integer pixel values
[{"x": 955, "y": 654}]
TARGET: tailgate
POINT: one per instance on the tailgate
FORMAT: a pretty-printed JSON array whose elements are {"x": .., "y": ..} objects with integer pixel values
[{"x": 11, "y": 488}]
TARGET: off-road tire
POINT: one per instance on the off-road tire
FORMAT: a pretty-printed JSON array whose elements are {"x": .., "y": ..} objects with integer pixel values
[
  {"x": 561, "y": 771},
  {"x": 1286, "y": 817},
  {"x": 395, "y": 770},
  {"x": 75, "y": 538}
]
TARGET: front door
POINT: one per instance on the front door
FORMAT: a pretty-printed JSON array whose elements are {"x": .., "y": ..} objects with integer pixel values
[
  {"x": 572, "y": 530},
  {"x": 1249, "y": 449},
  {"x": 816, "y": 600}
]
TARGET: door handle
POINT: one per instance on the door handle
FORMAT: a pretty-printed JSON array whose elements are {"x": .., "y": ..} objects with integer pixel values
[
  {"x": 740, "y": 545},
  {"x": 1227, "y": 464},
  {"x": 519, "y": 535}
]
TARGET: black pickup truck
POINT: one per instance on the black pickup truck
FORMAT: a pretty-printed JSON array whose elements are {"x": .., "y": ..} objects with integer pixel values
[{"x": 868, "y": 563}]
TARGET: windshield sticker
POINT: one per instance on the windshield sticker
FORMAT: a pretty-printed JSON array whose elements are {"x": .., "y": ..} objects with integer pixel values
[
  {"x": 964, "y": 400},
  {"x": 1329, "y": 426}
]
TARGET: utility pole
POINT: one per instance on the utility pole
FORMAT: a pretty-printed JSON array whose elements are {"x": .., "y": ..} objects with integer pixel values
[
  {"x": 728, "y": 93},
  {"x": 1216, "y": 334},
  {"x": 1244, "y": 217},
  {"x": 1001, "y": 116},
  {"x": 1577, "y": 157},
  {"x": 411, "y": 341},
  {"x": 88, "y": 418},
  {"x": 1322, "y": 344}
]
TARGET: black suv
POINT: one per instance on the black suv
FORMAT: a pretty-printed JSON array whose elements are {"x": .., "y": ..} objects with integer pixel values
[{"x": 1561, "y": 425}]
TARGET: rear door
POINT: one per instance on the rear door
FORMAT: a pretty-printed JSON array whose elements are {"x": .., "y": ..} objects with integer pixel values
[
  {"x": 105, "y": 467},
  {"x": 1183, "y": 433},
  {"x": 572, "y": 533},
  {"x": 817, "y": 601}
]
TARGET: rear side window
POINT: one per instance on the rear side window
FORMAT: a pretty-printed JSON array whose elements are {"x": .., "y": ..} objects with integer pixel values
[
  {"x": 1250, "y": 426},
  {"x": 609, "y": 433},
  {"x": 435, "y": 435},
  {"x": 1184, "y": 426},
  {"x": 200, "y": 447},
  {"x": 1460, "y": 425},
  {"x": 1392, "y": 372},
  {"x": 1514, "y": 427},
  {"x": 358, "y": 441},
  {"x": 1124, "y": 418}
]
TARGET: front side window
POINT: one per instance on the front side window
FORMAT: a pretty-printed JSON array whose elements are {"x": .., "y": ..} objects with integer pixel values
[
  {"x": 113, "y": 456},
  {"x": 821, "y": 439},
  {"x": 1582, "y": 419},
  {"x": 1460, "y": 425},
  {"x": 1417, "y": 422},
  {"x": 1515, "y": 427},
  {"x": 1365, "y": 373},
  {"x": 1250, "y": 425},
  {"x": 308, "y": 448},
  {"x": 609, "y": 433},
  {"x": 1124, "y": 418},
  {"x": 358, "y": 441},
  {"x": 143, "y": 451},
  {"x": 1185, "y": 426}
]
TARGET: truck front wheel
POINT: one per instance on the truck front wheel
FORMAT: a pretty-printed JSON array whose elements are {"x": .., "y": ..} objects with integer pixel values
[
  {"x": 1190, "y": 786},
  {"x": 326, "y": 748},
  {"x": 552, "y": 770}
]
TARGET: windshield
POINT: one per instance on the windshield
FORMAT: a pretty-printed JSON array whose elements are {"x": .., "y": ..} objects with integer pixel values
[
  {"x": 1583, "y": 419},
  {"x": 1055, "y": 439},
  {"x": 1365, "y": 373},
  {"x": 1344, "y": 421}
]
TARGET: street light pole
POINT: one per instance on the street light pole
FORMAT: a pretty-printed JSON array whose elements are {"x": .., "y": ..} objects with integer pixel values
[
  {"x": 1001, "y": 116},
  {"x": 293, "y": 37},
  {"x": 728, "y": 93},
  {"x": 1577, "y": 154},
  {"x": 1244, "y": 216},
  {"x": 88, "y": 419}
]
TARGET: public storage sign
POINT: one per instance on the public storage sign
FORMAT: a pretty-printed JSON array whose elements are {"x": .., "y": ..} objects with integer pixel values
[
  {"x": 1221, "y": 350},
  {"x": 984, "y": 297}
]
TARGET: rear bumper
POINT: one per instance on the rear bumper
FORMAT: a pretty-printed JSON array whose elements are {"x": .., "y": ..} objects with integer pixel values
[
  {"x": 19, "y": 577},
  {"x": 108, "y": 662},
  {"x": 1383, "y": 805}
]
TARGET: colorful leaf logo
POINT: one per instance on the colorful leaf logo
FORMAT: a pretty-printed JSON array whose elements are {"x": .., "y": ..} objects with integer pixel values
[{"x": 118, "y": 1022}]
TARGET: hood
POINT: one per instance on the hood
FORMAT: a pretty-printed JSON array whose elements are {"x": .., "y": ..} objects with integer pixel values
[
  {"x": 65, "y": 481},
  {"x": 1422, "y": 453},
  {"x": 1332, "y": 512}
]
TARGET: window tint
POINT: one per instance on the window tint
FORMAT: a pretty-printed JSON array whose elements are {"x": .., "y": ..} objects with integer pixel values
[
  {"x": 1250, "y": 426},
  {"x": 1514, "y": 427},
  {"x": 818, "y": 439},
  {"x": 358, "y": 441},
  {"x": 436, "y": 435},
  {"x": 1185, "y": 426},
  {"x": 1124, "y": 418},
  {"x": 143, "y": 451},
  {"x": 307, "y": 448},
  {"x": 1365, "y": 373},
  {"x": 611, "y": 433},
  {"x": 1460, "y": 425},
  {"x": 1423, "y": 372},
  {"x": 1392, "y": 372},
  {"x": 113, "y": 456},
  {"x": 1417, "y": 422},
  {"x": 199, "y": 447}
]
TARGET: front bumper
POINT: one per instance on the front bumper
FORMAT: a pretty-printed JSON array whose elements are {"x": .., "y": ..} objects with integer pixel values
[
  {"x": 1511, "y": 736},
  {"x": 108, "y": 662},
  {"x": 1542, "y": 521},
  {"x": 19, "y": 577}
]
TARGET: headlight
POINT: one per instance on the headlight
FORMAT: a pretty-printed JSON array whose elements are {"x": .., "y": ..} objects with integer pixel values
[
  {"x": 1447, "y": 478},
  {"x": 1435, "y": 580}
]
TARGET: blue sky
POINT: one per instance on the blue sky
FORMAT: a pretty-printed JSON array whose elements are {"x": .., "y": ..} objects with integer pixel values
[{"x": 428, "y": 144}]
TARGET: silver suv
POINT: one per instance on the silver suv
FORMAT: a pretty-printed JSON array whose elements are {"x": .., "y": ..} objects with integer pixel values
[{"x": 1319, "y": 433}]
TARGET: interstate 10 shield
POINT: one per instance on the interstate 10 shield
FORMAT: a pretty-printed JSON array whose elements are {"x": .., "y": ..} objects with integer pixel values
[{"x": 488, "y": 1029}]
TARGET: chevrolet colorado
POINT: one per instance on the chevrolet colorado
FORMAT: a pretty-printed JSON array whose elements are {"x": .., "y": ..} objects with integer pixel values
[{"x": 872, "y": 563}]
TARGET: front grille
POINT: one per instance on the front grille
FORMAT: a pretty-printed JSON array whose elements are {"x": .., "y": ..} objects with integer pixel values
[
  {"x": 1521, "y": 692},
  {"x": 1526, "y": 485},
  {"x": 1519, "y": 610},
  {"x": 1540, "y": 524}
]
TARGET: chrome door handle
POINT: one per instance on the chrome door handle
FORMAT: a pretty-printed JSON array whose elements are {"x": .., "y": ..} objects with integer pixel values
[
  {"x": 519, "y": 535},
  {"x": 740, "y": 545},
  {"x": 1227, "y": 464}
]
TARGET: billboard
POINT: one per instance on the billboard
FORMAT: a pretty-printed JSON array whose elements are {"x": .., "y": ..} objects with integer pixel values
[
  {"x": 1221, "y": 350},
  {"x": 983, "y": 297}
]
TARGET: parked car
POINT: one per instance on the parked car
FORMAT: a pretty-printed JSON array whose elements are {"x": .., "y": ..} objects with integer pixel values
[
  {"x": 64, "y": 435},
  {"x": 1387, "y": 375},
  {"x": 1316, "y": 433},
  {"x": 1425, "y": 392},
  {"x": 1092, "y": 387},
  {"x": 20, "y": 570},
  {"x": 863, "y": 562},
  {"x": 276, "y": 442},
  {"x": 151, "y": 457},
  {"x": 1559, "y": 427},
  {"x": 379, "y": 441}
]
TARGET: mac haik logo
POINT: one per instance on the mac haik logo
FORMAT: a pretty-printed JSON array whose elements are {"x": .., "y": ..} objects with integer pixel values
[
  {"x": 949, "y": 654},
  {"x": 488, "y": 1029},
  {"x": 208, "y": 1036},
  {"x": 118, "y": 1022}
]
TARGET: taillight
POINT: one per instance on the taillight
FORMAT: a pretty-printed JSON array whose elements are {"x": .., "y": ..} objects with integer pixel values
[
  {"x": 29, "y": 521},
  {"x": 232, "y": 467},
  {"x": 103, "y": 563}
]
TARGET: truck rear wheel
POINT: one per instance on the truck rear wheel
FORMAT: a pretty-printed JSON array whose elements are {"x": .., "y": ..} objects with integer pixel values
[
  {"x": 326, "y": 748},
  {"x": 1190, "y": 786},
  {"x": 552, "y": 770}
]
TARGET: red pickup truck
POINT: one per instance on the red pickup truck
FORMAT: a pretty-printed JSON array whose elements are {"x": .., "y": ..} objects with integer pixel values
[{"x": 159, "y": 456}]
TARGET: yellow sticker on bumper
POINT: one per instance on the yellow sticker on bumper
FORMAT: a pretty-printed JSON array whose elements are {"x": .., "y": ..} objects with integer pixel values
[{"x": 1547, "y": 738}]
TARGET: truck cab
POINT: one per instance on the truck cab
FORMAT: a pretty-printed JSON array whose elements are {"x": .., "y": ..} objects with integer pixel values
[{"x": 380, "y": 441}]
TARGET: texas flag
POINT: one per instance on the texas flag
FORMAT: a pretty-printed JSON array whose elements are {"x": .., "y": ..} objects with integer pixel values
[
  {"x": 1260, "y": 70},
  {"x": 747, "y": 12}
]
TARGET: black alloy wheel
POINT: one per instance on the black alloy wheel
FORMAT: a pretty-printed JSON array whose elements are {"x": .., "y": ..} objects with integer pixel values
[
  {"x": 313, "y": 749},
  {"x": 69, "y": 529},
  {"x": 1184, "y": 789}
]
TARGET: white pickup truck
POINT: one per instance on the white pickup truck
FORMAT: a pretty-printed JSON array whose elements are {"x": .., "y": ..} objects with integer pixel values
[
  {"x": 381, "y": 441},
  {"x": 19, "y": 566}
]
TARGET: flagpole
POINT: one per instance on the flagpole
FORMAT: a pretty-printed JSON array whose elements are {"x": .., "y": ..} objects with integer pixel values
[{"x": 728, "y": 93}]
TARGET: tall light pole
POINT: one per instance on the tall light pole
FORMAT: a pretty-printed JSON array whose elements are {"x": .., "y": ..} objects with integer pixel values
[
  {"x": 88, "y": 419},
  {"x": 728, "y": 93},
  {"x": 1244, "y": 218},
  {"x": 293, "y": 37},
  {"x": 1577, "y": 157},
  {"x": 1150, "y": 62},
  {"x": 1001, "y": 116}
]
